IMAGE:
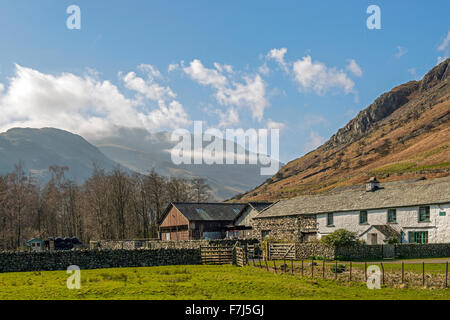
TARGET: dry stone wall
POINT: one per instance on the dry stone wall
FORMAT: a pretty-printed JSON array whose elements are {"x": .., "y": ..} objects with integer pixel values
[{"x": 60, "y": 260}]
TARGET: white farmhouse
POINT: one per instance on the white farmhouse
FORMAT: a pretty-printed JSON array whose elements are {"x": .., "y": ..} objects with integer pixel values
[{"x": 412, "y": 211}]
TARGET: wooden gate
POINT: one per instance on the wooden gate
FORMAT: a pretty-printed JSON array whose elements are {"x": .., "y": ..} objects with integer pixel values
[
  {"x": 217, "y": 254},
  {"x": 240, "y": 256},
  {"x": 388, "y": 251},
  {"x": 281, "y": 251}
]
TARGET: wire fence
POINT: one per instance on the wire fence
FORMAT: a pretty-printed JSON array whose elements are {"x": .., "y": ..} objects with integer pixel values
[{"x": 410, "y": 274}]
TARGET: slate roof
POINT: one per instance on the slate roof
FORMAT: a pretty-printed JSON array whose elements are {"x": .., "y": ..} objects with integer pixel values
[
  {"x": 209, "y": 211},
  {"x": 385, "y": 229},
  {"x": 391, "y": 194},
  {"x": 260, "y": 206}
]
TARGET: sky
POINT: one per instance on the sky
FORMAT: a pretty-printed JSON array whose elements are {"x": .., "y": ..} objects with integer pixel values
[{"x": 304, "y": 67}]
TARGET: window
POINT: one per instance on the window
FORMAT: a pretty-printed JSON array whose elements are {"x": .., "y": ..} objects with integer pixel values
[
  {"x": 265, "y": 233},
  {"x": 424, "y": 214},
  {"x": 420, "y": 237},
  {"x": 363, "y": 217},
  {"x": 392, "y": 215},
  {"x": 330, "y": 220},
  {"x": 236, "y": 211}
]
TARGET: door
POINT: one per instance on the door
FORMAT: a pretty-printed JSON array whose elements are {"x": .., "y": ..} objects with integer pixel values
[{"x": 373, "y": 238}]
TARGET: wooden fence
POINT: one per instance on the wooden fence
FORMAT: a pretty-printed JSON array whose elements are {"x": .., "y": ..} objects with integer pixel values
[{"x": 220, "y": 254}]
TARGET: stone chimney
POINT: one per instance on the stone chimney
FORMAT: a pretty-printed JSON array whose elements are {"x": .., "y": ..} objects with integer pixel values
[{"x": 372, "y": 185}]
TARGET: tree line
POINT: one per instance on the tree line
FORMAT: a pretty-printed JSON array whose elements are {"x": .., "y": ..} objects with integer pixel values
[{"x": 112, "y": 205}]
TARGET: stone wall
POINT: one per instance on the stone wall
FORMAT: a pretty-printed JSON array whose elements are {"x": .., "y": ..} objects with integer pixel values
[
  {"x": 60, "y": 260},
  {"x": 369, "y": 252},
  {"x": 159, "y": 244},
  {"x": 279, "y": 228},
  {"x": 314, "y": 249},
  {"x": 431, "y": 250}
]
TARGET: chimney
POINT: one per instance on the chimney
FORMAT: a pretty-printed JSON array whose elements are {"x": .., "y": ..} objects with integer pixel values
[{"x": 372, "y": 185}]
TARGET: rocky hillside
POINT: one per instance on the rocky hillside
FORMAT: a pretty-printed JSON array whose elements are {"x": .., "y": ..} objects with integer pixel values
[{"x": 404, "y": 134}]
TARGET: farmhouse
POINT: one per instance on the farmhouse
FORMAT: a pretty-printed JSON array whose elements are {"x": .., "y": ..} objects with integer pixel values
[
  {"x": 196, "y": 221},
  {"x": 410, "y": 211}
]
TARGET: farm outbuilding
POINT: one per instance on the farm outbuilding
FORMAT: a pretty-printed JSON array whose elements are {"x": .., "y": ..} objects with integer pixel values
[{"x": 197, "y": 221}]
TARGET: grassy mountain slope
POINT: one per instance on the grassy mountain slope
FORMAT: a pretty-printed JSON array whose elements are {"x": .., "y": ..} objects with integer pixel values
[{"x": 404, "y": 134}]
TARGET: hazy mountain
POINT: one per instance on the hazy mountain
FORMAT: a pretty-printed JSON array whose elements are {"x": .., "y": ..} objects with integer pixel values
[
  {"x": 405, "y": 133},
  {"x": 142, "y": 151},
  {"x": 40, "y": 148}
]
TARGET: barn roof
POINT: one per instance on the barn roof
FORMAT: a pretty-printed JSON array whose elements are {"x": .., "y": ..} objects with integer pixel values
[
  {"x": 260, "y": 206},
  {"x": 209, "y": 211},
  {"x": 391, "y": 194}
]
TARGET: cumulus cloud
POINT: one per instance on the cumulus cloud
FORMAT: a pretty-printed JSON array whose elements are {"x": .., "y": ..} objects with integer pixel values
[
  {"x": 251, "y": 93},
  {"x": 315, "y": 141},
  {"x": 444, "y": 44},
  {"x": 401, "y": 51},
  {"x": 278, "y": 56},
  {"x": 84, "y": 104},
  {"x": 354, "y": 68},
  {"x": 441, "y": 59},
  {"x": 275, "y": 125},
  {"x": 148, "y": 88},
  {"x": 318, "y": 77}
]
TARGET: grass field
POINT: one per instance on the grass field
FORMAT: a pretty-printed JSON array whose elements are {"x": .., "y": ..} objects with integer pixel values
[{"x": 194, "y": 282}]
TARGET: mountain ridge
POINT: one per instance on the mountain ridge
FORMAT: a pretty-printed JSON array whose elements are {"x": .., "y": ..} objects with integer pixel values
[{"x": 402, "y": 134}]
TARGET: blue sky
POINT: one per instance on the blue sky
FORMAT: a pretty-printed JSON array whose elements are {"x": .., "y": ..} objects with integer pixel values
[{"x": 306, "y": 67}]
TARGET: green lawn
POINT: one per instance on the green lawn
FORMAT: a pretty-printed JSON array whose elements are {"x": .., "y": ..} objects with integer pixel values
[{"x": 194, "y": 282}]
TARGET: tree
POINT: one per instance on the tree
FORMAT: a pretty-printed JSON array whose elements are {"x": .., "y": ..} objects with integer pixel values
[
  {"x": 340, "y": 238},
  {"x": 200, "y": 190}
]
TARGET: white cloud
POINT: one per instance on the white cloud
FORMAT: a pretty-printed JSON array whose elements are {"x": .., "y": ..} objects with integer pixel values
[
  {"x": 250, "y": 94},
  {"x": 264, "y": 69},
  {"x": 205, "y": 76},
  {"x": 445, "y": 42},
  {"x": 278, "y": 56},
  {"x": 354, "y": 68},
  {"x": 81, "y": 104},
  {"x": 401, "y": 51},
  {"x": 315, "y": 141},
  {"x": 318, "y": 77},
  {"x": 173, "y": 67},
  {"x": 150, "y": 89},
  {"x": 413, "y": 72},
  {"x": 275, "y": 125},
  {"x": 151, "y": 71}
]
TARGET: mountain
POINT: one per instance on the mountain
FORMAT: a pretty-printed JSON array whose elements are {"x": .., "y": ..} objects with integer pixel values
[
  {"x": 40, "y": 148},
  {"x": 142, "y": 151},
  {"x": 404, "y": 134}
]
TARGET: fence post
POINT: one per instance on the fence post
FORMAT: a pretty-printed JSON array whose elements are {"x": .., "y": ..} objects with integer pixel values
[
  {"x": 423, "y": 274},
  {"x": 382, "y": 273},
  {"x": 285, "y": 265},
  {"x": 350, "y": 271},
  {"x": 365, "y": 271},
  {"x": 323, "y": 269},
  {"x": 403, "y": 272},
  {"x": 274, "y": 266},
  {"x": 446, "y": 274},
  {"x": 302, "y": 268},
  {"x": 292, "y": 266},
  {"x": 267, "y": 266}
]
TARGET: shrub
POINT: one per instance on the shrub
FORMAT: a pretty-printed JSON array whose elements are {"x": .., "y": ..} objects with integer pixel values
[
  {"x": 341, "y": 238},
  {"x": 338, "y": 269}
]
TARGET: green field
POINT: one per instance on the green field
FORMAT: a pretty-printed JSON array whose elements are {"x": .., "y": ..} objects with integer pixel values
[{"x": 194, "y": 282}]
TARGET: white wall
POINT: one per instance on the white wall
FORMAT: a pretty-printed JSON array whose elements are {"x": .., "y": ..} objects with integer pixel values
[{"x": 407, "y": 220}]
